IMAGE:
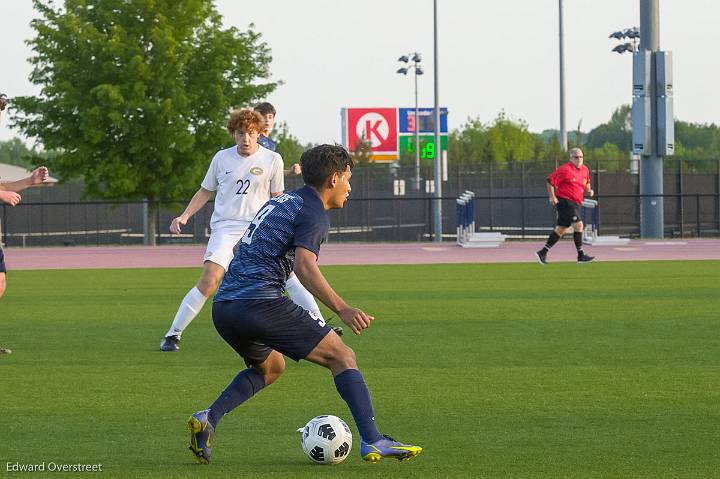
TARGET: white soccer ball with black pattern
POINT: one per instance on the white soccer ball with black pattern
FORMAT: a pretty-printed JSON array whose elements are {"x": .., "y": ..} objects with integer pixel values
[{"x": 326, "y": 440}]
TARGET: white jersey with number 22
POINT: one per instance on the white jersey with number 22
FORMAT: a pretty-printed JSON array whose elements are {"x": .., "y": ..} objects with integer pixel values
[{"x": 242, "y": 185}]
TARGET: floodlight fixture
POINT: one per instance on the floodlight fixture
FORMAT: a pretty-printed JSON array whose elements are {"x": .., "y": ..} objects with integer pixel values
[
  {"x": 629, "y": 33},
  {"x": 632, "y": 33}
]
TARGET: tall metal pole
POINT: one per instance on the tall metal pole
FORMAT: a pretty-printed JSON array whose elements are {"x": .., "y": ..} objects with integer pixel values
[
  {"x": 563, "y": 128},
  {"x": 437, "y": 161},
  {"x": 417, "y": 135},
  {"x": 146, "y": 226},
  {"x": 651, "y": 166}
]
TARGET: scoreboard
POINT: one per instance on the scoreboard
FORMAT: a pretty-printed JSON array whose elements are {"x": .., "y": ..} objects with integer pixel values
[
  {"x": 390, "y": 132},
  {"x": 427, "y": 145},
  {"x": 425, "y": 125},
  {"x": 425, "y": 120}
]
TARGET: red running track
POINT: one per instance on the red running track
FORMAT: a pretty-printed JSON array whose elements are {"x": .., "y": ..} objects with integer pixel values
[{"x": 360, "y": 253}]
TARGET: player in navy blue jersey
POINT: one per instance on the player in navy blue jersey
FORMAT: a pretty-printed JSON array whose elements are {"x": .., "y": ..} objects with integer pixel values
[
  {"x": 251, "y": 314},
  {"x": 269, "y": 113},
  {"x": 295, "y": 290}
]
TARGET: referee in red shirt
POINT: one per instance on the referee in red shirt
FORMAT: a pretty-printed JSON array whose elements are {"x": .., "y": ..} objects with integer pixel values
[{"x": 566, "y": 186}]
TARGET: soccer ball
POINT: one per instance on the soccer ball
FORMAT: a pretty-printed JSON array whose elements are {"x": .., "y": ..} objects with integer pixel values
[{"x": 326, "y": 440}]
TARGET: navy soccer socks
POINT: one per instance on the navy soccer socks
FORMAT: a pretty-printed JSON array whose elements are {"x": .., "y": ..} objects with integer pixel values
[
  {"x": 244, "y": 386},
  {"x": 352, "y": 388}
]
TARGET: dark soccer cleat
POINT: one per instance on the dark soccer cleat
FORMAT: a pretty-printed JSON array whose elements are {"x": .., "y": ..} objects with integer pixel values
[
  {"x": 5, "y": 351},
  {"x": 202, "y": 436},
  {"x": 387, "y": 447},
  {"x": 170, "y": 343},
  {"x": 583, "y": 258},
  {"x": 541, "y": 257},
  {"x": 338, "y": 329}
]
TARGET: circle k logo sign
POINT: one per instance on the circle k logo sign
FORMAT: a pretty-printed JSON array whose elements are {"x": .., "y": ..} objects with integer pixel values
[{"x": 377, "y": 126}]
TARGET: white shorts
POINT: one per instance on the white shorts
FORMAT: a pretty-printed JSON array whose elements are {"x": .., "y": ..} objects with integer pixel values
[{"x": 220, "y": 248}]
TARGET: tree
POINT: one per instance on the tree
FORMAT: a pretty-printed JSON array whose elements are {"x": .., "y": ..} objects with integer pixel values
[
  {"x": 510, "y": 141},
  {"x": 361, "y": 152},
  {"x": 288, "y": 146},
  {"x": 617, "y": 131},
  {"x": 14, "y": 152},
  {"x": 609, "y": 156},
  {"x": 135, "y": 94},
  {"x": 698, "y": 136},
  {"x": 504, "y": 141},
  {"x": 468, "y": 143}
]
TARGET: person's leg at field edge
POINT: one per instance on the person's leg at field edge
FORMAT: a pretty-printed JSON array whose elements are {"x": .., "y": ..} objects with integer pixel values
[{"x": 2, "y": 291}]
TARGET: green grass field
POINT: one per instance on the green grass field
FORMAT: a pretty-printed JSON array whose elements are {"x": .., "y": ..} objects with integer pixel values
[{"x": 513, "y": 370}]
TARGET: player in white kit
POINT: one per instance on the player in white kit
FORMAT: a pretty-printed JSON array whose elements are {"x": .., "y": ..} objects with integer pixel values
[{"x": 243, "y": 178}]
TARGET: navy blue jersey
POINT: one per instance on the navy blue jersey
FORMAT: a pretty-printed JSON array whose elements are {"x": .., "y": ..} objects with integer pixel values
[
  {"x": 266, "y": 142},
  {"x": 266, "y": 253}
]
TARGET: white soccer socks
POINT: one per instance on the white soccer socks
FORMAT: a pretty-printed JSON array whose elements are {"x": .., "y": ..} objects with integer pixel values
[
  {"x": 302, "y": 296},
  {"x": 191, "y": 305}
]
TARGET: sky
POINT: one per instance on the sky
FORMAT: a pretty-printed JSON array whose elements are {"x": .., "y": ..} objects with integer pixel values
[{"x": 493, "y": 56}]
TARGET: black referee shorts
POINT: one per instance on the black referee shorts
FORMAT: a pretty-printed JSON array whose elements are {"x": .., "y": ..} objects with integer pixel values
[
  {"x": 254, "y": 327},
  {"x": 568, "y": 212},
  {"x": 2, "y": 262}
]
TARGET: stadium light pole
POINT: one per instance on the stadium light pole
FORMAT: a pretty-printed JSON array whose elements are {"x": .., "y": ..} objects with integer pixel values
[
  {"x": 437, "y": 160},
  {"x": 415, "y": 65},
  {"x": 563, "y": 128},
  {"x": 652, "y": 223}
]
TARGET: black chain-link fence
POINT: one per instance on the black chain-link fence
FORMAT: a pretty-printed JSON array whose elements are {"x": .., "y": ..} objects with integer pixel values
[{"x": 510, "y": 198}]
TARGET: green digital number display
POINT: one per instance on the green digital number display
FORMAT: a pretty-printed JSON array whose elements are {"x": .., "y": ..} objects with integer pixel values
[{"x": 427, "y": 145}]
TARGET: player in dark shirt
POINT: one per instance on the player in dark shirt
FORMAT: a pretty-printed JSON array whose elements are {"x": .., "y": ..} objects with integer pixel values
[
  {"x": 295, "y": 289},
  {"x": 269, "y": 113},
  {"x": 251, "y": 314}
]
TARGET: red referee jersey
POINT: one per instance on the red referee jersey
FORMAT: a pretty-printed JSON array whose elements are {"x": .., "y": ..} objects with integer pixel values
[{"x": 569, "y": 181}]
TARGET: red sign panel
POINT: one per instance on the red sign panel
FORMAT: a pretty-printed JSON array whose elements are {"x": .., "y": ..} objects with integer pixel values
[{"x": 377, "y": 126}]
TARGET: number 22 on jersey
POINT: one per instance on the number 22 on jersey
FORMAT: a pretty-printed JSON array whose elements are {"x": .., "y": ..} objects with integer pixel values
[{"x": 243, "y": 186}]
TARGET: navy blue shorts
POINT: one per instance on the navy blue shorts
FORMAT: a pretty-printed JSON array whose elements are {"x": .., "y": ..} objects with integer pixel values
[
  {"x": 254, "y": 327},
  {"x": 2, "y": 262}
]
